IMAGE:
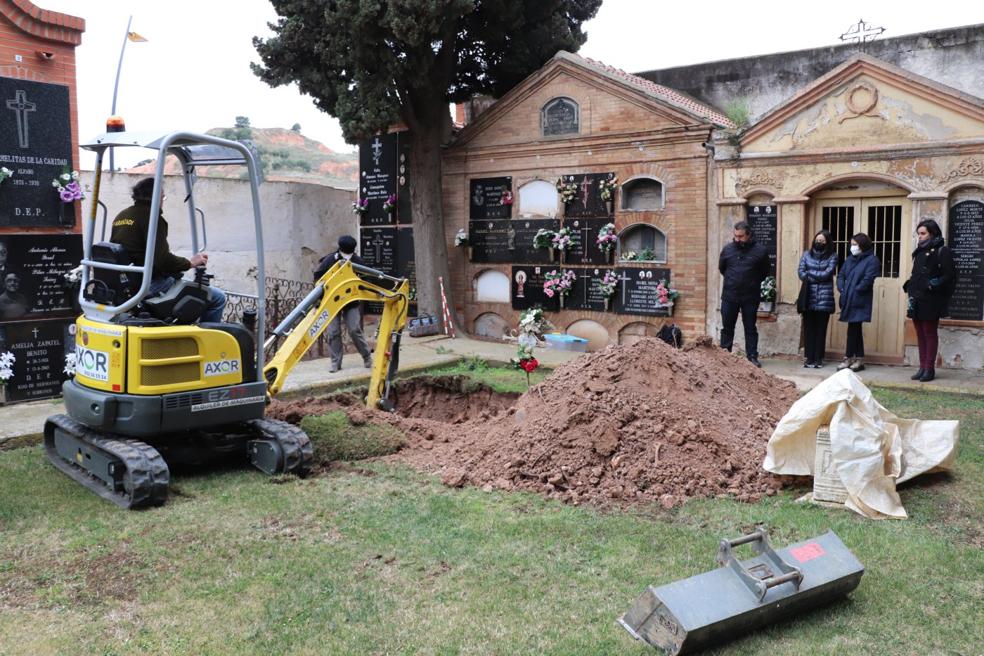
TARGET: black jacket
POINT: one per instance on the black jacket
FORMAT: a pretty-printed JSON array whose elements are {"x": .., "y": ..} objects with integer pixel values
[
  {"x": 130, "y": 231},
  {"x": 328, "y": 260},
  {"x": 932, "y": 281},
  {"x": 744, "y": 268}
]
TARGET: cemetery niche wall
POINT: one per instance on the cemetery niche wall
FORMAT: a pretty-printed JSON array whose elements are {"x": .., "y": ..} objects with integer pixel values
[
  {"x": 39, "y": 239},
  {"x": 384, "y": 208}
]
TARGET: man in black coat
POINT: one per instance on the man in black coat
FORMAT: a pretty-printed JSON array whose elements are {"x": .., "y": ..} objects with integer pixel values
[
  {"x": 744, "y": 265},
  {"x": 351, "y": 313}
]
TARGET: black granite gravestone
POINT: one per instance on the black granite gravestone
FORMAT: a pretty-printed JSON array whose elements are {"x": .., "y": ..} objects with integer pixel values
[
  {"x": 584, "y": 242},
  {"x": 39, "y": 350},
  {"x": 36, "y": 146},
  {"x": 32, "y": 276},
  {"x": 587, "y": 203},
  {"x": 378, "y": 248},
  {"x": 378, "y": 178},
  {"x": 636, "y": 291},
  {"x": 527, "y": 288},
  {"x": 586, "y": 294},
  {"x": 965, "y": 237},
  {"x": 508, "y": 240},
  {"x": 406, "y": 265},
  {"x": 762, "y": 219},
  {"x": 490, "y": 198}
]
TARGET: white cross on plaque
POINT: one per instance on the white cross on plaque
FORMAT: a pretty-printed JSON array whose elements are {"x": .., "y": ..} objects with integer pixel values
[
  {"x": 378, "y": 243},
  {"x": 585, "y": 243},
  {"x": 586, "y": 277},
  {"x": 20, "y": 106},
  {"x": 377, "y": 151},
  {"x": 624, "y": 278},
  {"x": 35, "y": 333}
]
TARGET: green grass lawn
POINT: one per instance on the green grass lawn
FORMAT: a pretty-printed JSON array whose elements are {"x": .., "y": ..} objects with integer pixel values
[{"x": 374, "y": 559}]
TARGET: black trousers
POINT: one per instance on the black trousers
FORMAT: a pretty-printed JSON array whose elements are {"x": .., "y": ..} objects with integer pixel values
[
  {"x": 815, "y": 335},
  {"x": 855, "y": 341},
  {"x": 729, "y": 317}
]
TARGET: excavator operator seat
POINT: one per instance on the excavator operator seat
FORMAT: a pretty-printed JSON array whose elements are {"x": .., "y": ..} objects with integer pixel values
[
  {"x": 111, "y": 287},
  {"x": 183, "y": 303}
]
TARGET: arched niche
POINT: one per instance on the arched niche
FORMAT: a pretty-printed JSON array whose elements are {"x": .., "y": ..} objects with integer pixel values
[
  {"x": 560, "y": 116},
  {"x": 643, "y": 194},
  {"x": 538, "y": 198},
  {"x": 967, "y": 192},
  {"x": 635, "y": 331},
  {"x": 491, "y": 287},
  {"x": 642, "y": 243},
  {"x": 491, "y": 325},
  {"x": 596, "y": 334}
]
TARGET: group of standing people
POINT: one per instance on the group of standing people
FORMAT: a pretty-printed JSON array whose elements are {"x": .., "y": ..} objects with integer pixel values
[{"x": 745, "y": 264}]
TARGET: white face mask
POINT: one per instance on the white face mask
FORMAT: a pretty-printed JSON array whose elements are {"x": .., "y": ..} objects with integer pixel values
[
  {"x": 855, "y": 250},
  {"x": 347, "y": 256}
]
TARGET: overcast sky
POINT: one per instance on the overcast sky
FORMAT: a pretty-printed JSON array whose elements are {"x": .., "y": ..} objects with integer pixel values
[{"x": 193, "y": 72}]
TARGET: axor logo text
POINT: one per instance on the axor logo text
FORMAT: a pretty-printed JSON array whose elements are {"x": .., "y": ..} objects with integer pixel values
[
  {"x": 221, "y": 367},
  {"x": 91, "y": 363}
]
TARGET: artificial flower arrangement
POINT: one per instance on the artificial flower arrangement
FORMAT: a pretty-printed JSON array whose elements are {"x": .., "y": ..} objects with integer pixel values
[
  {"x": 532, "y": 324},
  {"x": 559, "y": 283},
  {"x": 70, "y": 363},
  {"x": 563, "y": 239},
  {"x": 360, "y": 206},
  {"x": 607, "y": 284},
  {"x": 607, "y": 239},
  {"x": 608, "y": 187},
  {"x": 567, "y": 190},
  {"x": 68, "y": 187},
  {"x": 5, "y": 173},
  {"x": 390, "y": 203},
  {"x": 666, "y": 294},
  {"x": 768, "y": 289},
  {"x": 544, "y": 238},
  {"x": 645, "y": 255},
  {"x": 7, "y": 360},
  {"x": 461, "y": 238},
  {"x": 506, "y": 199}
]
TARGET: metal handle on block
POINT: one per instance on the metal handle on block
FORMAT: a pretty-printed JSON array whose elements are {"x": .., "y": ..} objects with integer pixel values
[{"x": 761, "y": 546}]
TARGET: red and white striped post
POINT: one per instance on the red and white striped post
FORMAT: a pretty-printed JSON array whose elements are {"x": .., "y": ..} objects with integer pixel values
[{"x": 448, "y": 325}]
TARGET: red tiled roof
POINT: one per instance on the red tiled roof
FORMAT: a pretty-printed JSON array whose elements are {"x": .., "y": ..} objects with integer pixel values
[
  {"x": 42, "y": 23},
  {"x": 664, "y": 93}
]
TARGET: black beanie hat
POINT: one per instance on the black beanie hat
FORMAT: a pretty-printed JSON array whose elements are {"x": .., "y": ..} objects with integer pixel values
[{"x": 346, "y": 244}]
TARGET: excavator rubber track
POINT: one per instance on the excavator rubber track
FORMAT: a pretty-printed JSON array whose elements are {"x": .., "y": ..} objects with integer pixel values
[
  {"x": 282, "y": 448},
  {"x": 127, "y": 472}
]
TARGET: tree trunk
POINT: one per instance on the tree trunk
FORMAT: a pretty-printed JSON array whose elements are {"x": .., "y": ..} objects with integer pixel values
[{"x": 429, "y": 242}]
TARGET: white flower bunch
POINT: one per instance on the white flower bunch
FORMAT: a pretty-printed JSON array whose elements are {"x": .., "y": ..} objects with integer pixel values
[
  {"x": 74, "y": 275},
  {"x": 7, "y": 360},
  {"x": 5, "y": 173},
  {"x": 70, "y": 362},
  {"x": 461, "y": 238}
]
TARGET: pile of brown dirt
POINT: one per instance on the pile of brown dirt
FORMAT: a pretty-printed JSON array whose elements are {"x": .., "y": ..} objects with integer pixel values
[
  {"x": 643, "y": 422},
  {"x": 637, "y": 423}
]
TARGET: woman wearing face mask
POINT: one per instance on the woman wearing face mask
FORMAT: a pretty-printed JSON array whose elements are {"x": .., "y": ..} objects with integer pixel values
[
  {"x": 816, "y": 270},
  {"x": 856, "y": 282},
  {"x": 929, "y": 287}
]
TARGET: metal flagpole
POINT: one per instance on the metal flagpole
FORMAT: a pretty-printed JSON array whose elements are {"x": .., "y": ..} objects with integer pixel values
[{"x": 116, "y": 86}]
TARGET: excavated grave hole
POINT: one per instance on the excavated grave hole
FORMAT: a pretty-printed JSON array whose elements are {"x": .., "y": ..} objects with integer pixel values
[{"x": 445, "y": 399}]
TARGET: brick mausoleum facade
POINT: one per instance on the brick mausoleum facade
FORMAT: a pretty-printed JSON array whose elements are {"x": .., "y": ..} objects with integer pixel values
[{"x": 836, "y": 139}]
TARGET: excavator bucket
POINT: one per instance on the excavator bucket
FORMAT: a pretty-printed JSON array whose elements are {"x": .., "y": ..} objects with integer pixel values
[{"x": 711, "y": 608}]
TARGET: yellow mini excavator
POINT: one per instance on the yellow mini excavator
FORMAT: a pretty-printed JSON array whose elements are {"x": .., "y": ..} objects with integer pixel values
[{"x": 152, "y": 386}]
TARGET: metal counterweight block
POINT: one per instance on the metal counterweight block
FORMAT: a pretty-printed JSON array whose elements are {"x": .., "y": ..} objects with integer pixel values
[{"x": 717, "y": 606}]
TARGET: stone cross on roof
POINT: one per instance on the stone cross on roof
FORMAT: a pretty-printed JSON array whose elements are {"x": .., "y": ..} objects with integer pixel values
[{"x": 861, "y": 34}]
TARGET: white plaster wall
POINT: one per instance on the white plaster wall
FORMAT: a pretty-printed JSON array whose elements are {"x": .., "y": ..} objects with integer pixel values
[{"x": 301, "y": 223}]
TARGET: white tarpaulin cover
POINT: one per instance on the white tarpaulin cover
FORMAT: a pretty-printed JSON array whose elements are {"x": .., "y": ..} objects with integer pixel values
[{"x": 871, "y": 448}]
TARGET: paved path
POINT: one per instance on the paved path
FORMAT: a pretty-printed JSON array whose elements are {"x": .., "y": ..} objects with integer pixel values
[{"x": 312, "y": 376}]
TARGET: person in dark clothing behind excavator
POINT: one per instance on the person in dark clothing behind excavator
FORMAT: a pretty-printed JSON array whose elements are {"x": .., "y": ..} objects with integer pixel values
[
  {"x": 130, "y": 229},
  {"x": 744, "y": 264},
  {"x": 351, "y": 313}
]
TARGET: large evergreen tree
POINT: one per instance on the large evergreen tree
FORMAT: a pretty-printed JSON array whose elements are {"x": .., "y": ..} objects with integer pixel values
[{"x": 375, "y": 63}]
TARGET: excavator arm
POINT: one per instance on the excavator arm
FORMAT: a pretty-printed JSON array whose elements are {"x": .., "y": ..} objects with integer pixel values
[{"x": 342, "y": 284}]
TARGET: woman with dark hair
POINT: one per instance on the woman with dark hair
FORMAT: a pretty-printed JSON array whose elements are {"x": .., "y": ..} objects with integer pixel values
[
  {"x": 816, "y": 270},
  {"x": 856, "y": 283},
  {"x": 929, "y": 288}
]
